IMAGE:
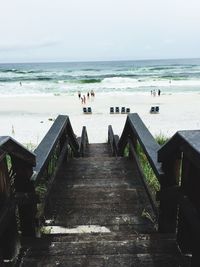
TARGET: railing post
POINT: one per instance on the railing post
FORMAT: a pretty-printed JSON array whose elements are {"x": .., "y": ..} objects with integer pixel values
[
  {"x": 167, "y": 221},
  {"x": 113, "y": 141},
  {"x": 72, "y": 139},
  {"x": 10, "y": 242},
  {"x": 184, "y": 233},
  {"x": 195, "y": 252},
  {"x": 123, "y": 140},
  {"x": 187, "y": 239},
  {"x": 23, "y": 184},
  {"x": 9, "y": 239},
  {"x": 133, "y": 141},
  {"x": 83, "y": 142},
  {"x": 1, "y": 258}
]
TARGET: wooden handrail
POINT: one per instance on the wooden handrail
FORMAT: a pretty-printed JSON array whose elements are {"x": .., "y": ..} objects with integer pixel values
[
  {"x": 83, "y": 141},
  {"x": 180, "y": 158},
  {"x": 182, "y": 141},
  {"x": 60, "y": 128},
  {"x": 152, "y": 198},
  {"x": 58, "y": 144},
  {"x": 113, "y": 141},
  {"x": 15, "y": 178},
  {"x": 12, "y": 147},
  {"x": 28, "y": 171},
  {"x": 176, "y": 166},
  {"x": 137, "y": 131}
]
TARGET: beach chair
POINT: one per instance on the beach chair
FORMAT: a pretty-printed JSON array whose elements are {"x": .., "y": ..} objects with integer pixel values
[
  {"x": 128, "y": 110},
  {"x": 85, "y": 110},
  {"x": 111, "y": 110},
  {"x": 89, "y": 110},
  {"x": 116, "y": 109},
  {"x": 123, "y": 110},
  {"x": 157, "y": 109},
  {"x": 152, "y": 110}
]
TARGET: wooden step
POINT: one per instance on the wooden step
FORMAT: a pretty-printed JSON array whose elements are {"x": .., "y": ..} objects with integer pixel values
[
  {"x": 101, "y": 216},
  {"x": 124, "y": 260},
  {"x": 86, "y": 195},
  {"x": 133, "y": 250},
  {"x": 97, "y": 150},
  {"x": 103, "y": 247}
]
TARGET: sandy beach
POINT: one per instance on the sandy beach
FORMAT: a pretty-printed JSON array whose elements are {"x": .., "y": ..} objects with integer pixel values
[{"x": 27, "y": 119}]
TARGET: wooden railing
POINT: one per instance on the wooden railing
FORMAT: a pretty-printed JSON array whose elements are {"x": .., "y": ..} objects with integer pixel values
[
  {"x": 177, "y": 168},
  {"x": 59, "y": 143},
  {"x": 83, "y": 142},
  {"x": 135, "y": 133},
  {"x": 113, "y": 141},
  {"x": 179, "y": 195},
  {"x": 16, "y": 169},
  {"x": 26, "y": 179}
]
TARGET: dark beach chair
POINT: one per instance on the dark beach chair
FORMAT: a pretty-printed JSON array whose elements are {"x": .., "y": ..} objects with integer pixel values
[
  {"x": 152, "y": 110},
  {"x": 116, "y": 109},
  {"x": 157, "y": 109},
  {"x": 85, "y": 110},
  {"x": 111, "y": 110},
  {"x": 128, "y": 110},
  {"x": 89, "y": 110},
  {"x": 123, "y": 110}
]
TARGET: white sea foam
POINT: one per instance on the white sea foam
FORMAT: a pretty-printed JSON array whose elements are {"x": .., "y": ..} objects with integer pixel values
[
  {"x": 108, "y": 77},
  {"x": 109, "y": 85}
]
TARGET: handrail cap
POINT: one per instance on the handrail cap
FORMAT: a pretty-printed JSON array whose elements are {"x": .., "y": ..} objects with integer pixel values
[
  {"x": 11, "y": 146},
  {"x": 187, "y": 141}
]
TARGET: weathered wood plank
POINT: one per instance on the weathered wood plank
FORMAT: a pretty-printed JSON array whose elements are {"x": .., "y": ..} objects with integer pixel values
[
  {"x": 83, "y": 142},
  {"x": 144, "y": 260},
  {"x": 113, "y": 141},
  {"x": 104, "y": 247},
  {"x": 135, "y": 128},
  {"x": 107, "y": 192},
  {"x": 188, "y": 141},
  {"x": 47, "y": 145},
  {"x": 12, "y": 147}
]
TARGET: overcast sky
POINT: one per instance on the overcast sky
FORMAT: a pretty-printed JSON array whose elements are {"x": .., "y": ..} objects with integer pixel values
[{"x": 87, "y": 30}]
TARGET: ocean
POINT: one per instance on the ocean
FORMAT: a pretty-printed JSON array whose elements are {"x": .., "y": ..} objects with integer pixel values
[{"x": 170, "y": 76}]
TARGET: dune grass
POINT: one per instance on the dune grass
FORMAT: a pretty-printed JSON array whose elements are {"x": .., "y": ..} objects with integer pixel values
[
  {"x": 146, "y": 167},
  {"x": 149, "y": 174}
]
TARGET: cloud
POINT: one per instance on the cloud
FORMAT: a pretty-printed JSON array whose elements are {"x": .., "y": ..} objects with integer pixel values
[
  {"x": 27, "y": 46},
  {"x": 169, "y": 41},
  {"x": 148, "y": 47}
]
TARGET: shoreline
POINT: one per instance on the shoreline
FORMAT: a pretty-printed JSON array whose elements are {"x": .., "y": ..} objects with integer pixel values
[
  {"x": 26, "y": 118},
  {"x": 103, "y": 93}
]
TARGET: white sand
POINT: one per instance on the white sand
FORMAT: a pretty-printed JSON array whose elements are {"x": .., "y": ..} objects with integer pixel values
[{"x": 26, "y": 118}]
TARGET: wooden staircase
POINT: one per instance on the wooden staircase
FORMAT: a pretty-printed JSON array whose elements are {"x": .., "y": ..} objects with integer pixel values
[{"x": 99, "y": 215}]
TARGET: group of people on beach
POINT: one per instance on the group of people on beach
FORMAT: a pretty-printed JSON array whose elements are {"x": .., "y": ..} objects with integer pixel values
[
  {"x": 153, "y": 92},
  {"x": 83, "y": 97}
]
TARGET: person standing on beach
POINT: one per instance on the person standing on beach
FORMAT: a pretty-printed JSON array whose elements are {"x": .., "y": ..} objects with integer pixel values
[
  {"x": 159, "y": 92},
  {"x": 84, "y": 99},
  {"x": 92, "y": 93},
  {"x": 79, "y": 95}
]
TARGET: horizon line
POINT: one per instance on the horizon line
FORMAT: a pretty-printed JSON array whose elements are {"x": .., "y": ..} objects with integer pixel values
[{"x": 93, "y": 61}]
